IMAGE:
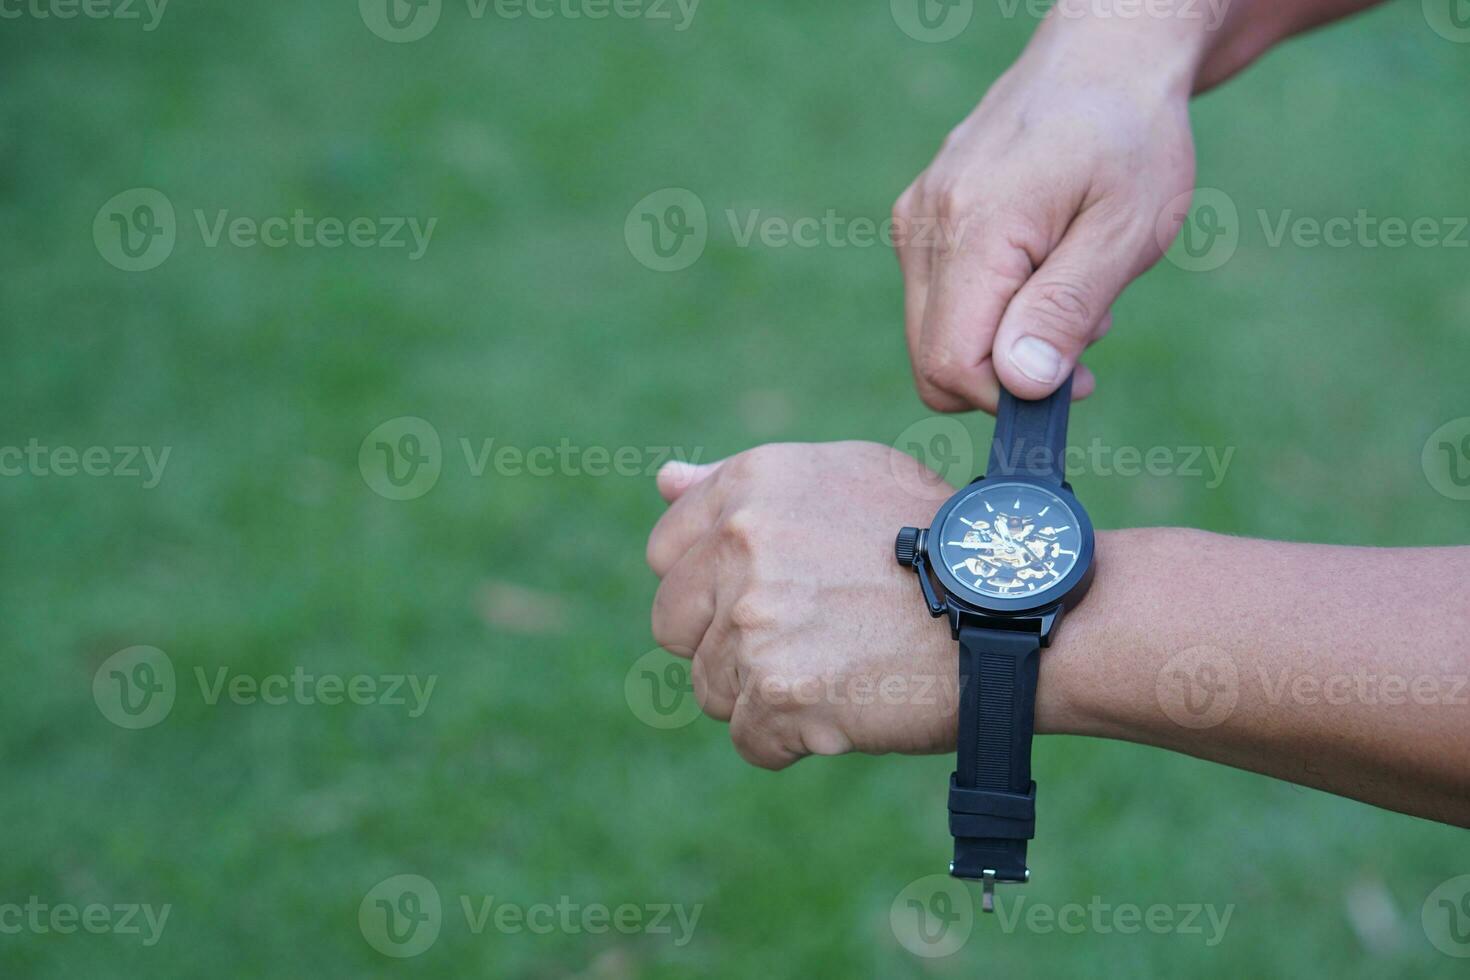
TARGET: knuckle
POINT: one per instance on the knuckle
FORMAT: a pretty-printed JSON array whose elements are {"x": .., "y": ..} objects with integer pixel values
[
  {"x": 754, "y": 612},
  {"x": 1064, "y": 307},
  {"x": 904, "y": 205},
  {"x": 741, "y": 529},
  {"x": 940, "y": 370},
  {"x": 951, "y": 198},
  {"x": 751, "y": 742},
  {"x": 934, "y": 399},
  {"x": 760, "y": 466},
  {"x": 1016, "y": 240},
  {"x": 825, "y": 740},
  {"x": 659, "y": 618},
  {"x": 664, "y": 620},
  {"x": 769, "y": 689},
  {"x": 753, "y": 464},
  {"x": 708, "y": 690},
  {"x": 738, "y": 468}
]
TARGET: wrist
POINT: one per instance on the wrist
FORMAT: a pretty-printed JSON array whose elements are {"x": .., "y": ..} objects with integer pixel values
[
  {"x": 1084, "y": 688},
  {"x": 1144, "y": 51},
  {"x": 1175, "y": 47}
]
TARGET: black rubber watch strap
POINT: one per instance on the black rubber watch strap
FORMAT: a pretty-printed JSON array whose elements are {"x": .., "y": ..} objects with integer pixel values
[
  {"x": 1031, "y": 437},
  {"x": 992, "y": 801}
]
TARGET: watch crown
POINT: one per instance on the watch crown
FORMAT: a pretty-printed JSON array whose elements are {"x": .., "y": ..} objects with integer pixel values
[{"x": 906, "y": 548}]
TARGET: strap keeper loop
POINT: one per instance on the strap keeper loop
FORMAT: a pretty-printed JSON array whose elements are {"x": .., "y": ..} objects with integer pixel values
[{"x": 989, "y": 813}]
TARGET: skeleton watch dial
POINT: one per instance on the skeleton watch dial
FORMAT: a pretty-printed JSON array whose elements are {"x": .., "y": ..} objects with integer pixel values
[{"x": 1010, "y": 540}]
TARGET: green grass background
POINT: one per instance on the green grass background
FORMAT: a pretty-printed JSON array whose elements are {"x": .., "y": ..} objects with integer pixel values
[{"x": 528, "y": 321}]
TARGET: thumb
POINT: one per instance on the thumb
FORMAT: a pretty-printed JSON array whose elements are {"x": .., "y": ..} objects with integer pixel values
[
  {"x": 677, "y": 476},
  {"x": 1061, "y": 309}
]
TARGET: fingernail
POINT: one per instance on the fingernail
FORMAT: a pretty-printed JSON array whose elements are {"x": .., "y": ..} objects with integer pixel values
[{"x": 1036, "y": 359}]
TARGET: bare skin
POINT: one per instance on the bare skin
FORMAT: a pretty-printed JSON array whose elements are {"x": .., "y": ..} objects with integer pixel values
[
  {"x": 1344, "y": 669},
  {"x": 1067, "y": 182}
]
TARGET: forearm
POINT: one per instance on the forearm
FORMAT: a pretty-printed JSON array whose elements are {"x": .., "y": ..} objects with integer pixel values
[
  {"x": 1340, "y": 668},
  {"x": 1196, "y": 44}
]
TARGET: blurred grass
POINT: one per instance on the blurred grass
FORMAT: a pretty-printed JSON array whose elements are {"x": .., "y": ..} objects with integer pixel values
[{"x": 529, "y": 322}]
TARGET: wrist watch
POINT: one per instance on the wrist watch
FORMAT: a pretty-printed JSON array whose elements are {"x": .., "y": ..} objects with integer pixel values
[{"x": 1004, "y": 558}]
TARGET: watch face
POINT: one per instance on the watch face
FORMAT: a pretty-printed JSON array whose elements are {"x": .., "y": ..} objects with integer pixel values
[{"x": 1010, "y": 540}]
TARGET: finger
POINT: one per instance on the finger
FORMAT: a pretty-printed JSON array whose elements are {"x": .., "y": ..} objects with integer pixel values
[
  {"x": 913, "y": 263},
  {"x": 1063, "y": 307},
  {"x": 1084, "y": 382},
  {"x": 677, "y": 476},
  {"x": 684, "y": 605},
  {"x": 967, "y": 297},
  {"x": 715, "y": 687},
  {"x": 754, "y": 732},
  {"x": 693, "y": 512}
]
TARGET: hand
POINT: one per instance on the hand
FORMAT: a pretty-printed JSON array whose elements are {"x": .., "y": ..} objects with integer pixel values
[
  {"x": 1044, "y": 205},
  {"x": 779, "y": 579}
]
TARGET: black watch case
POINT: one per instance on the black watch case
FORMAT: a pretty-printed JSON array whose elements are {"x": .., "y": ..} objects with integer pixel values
[{"x": 919, "y": 549}]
